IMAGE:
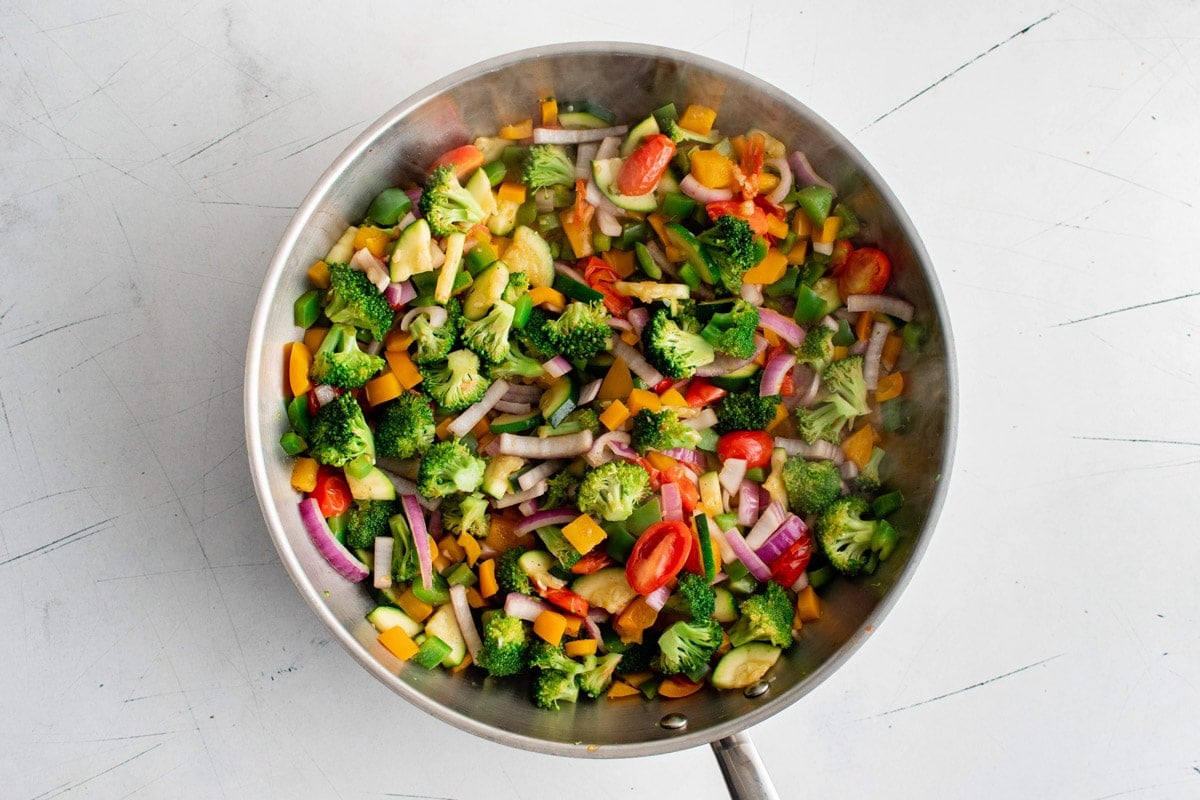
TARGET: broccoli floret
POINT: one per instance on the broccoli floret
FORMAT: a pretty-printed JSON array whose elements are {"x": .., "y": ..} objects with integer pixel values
[
  {"x": 745, "y": 411},
  {"x": 733, "y": 247},
  {"x": 844, "y": 397},
  {"x": 518, "y": 284},
  {"x": 353, "y": 300},
  {"x": 449, "y": 467},
  {"x": 581, "y": 331},
  {"x": 817, "y": 348},
  {"x": 673, "y": 350},
  {"x": 844, "y": 378},
  {"x": 635, "y": 656},
  {"x": 340, "y": 362},
  {"x": 434, "y": 344},
  {"x": 339, "y": 433},
  {"x": 404, "y": 427},
  {"x": 560, "y": 490},
  {"x": 598, "y": 673},
  {"x": 488, "y": 336},
  {"x": 661, "y": 430},
  {"x": 811, "y": 485},
  {"x": 732, "y": 331},
  {"x": 552, "y": 658},
  {"x": 547, "y": 165},
  {"x": 366, "y": 520},
  {"x": 765, "y": 617},
  {"x": 446, "y": 205},
  {"x": 468, "y": 515},
  {"x": 406, "y": 565},
  {"x": 693, "y": 597},
  {"x": 456, "y": 382},
  {"x": 612, "y": 490},
  {"x": 509, "y": 575},
  {"x": 851, "y": 543},
  {"x": 867, "y": 480},
  {"x": 686, "y": 646},
  {"x": 536, "y": 334},
  {"x": 517, "y": 365},
  {"x": 505, "y": 645},
  {"x": 825, "y": 420},
  {"x": 551, "y": 688}
]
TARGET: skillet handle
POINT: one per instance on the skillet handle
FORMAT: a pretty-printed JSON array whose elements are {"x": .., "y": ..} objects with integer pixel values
[{"x": 744, "y": 772}]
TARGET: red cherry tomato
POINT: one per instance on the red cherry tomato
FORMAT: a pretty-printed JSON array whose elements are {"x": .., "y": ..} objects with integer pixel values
[
  {"x": 787, "y": 568},
  {"x": 658, "y": 555},
  {"x": 866, "y": 271},
  {"x": 465, "y": 160},
  {"x": 566, "y": 600},
  {"x": 694, "y": 561},
  {"x": 593, "y": 561},
  {"x": 754, "y": 446},
  {"x": 332, "y": 493},
  {"x": 640, "y": 172},
  {"x": 689, "y": 495},
  {"x": 702, "y": 393}
]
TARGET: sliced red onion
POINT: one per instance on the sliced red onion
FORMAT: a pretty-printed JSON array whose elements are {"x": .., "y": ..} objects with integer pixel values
[
  {"x": 879, "y": 334},
  {"x": 858, "y": 348},
  {"x": 824, "y": 248},
  {"x": 507, "y": 407},
  {"x": 324, "y": 393},
  {"x": 688, "y": 456},
  {"x": 621, "y": 449},
  {"x": 785, "y": 327},
  {"x": 639, "y": 365},
  {"x": 658, "y": 598},
  {"x": 807, "y": 382},
  {"x": 466, "y": 622},
  {"x": 397, "y": 294},
  {"x": 522, "y": 606},
  {"x": 563, "y": 268},
  {"x": 805, "y": 174},
  {"x": 784, "y": 536},
  {"x": 772, "y": 517},
  {"x": 619, "y": 324},
  {"x": 606, "y": 221},
  {"x": 706, "y": 419},
  {"x": 583, "y": 160},
  {"x": 589, "y": 391},
  {"x": 748, "y": 503},
  {"x": 382, "y": 567},
  {"x": 672, "y": 503},
  {"x": 733, "y": 472},
  {"x": 774, "y": 373},
  {"x": 724, "y": 364},
  {"x": 365, "y": 261},
  {"x": 552, "y": 516},
  {"x": 883, "y": 303},
  {"x": 544, "y": 470},
  {"x": 516, "y": 498},
  {"x": 568, "y": 445},
  {"x": 849, "y": 470},
  {"x": 638, "y": 317},
  {"x": 522, "y": 393},
  {"x": 752, "y": 293},
  {"x": 327, "y": 544},
  {"x": 415, "y": 196},
  {"x": 785, "y": 180},
  {"x": 469, "y": 418},
  {"x": 436, "y": 528},
  {"x": 727, "y": 554},
  {"x": 437, "y": 316},
  {"x": 593, "y": 631},
  {"x": 528, "y": 508},
  {"x": 592, "y": 192},
  {"x": 610, "y": 147},
  {"x": 576, "y": 135},
  {"x": 819, "y": 451},
  {"x": 420, "y": 534},
  {"x": 557, "y": 367},
  {"x": 596, "y": 456},
  {"x": 701, "y": 193},
  {"x": 747, "y": 556}
]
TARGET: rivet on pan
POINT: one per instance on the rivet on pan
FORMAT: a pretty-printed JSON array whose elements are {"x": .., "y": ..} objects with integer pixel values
[
  {"x": 757, "y": 689},
  {"x": 673, "y": 722}
]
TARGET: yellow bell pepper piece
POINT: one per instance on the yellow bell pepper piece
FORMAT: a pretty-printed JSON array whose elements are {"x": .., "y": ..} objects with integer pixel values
[
  {"x": 769, "y": 270},
  {"x": 712, "y": 169},
  {"x": 641, "y": 398},
  {"x": 858, "y": 445},
  {"x": 660, "y": 461},
  {"x": 580, "y": 647},
  {"x": 620, "y": 260},
  {"x": 617, "y": 383},
  {"x": 299, "y": 361},
  {"x": 511, "y": 193},
  {"x": 777, "y": 226},
  {"x": 808, "y": 605},
  {"x": 397, "y": 340},
  {"x": 383, "y": 388},
  {"x": 488, "y": 585},
  {"x": 615, "y": 415},
  {"x": 545, "y": 296},
  {"x": 549, "y": 111},
  {"x": 313, "y": 338},
  {"x": 399, "y": 643},
  {"x": 375, "y": 240},
  {"x": 578, "y": 232},
  {"x": 402, "y": 366},
  {"x": 890, "y": 387},
  {"x": 828, "y": 231},
  {"x": 584, "y": 533},
  {"x": 672, "y": 397},
  {"x": 517, "y": 131},
  {"x": 620, "y": 690},
  {"x": 550, "y": 626},
  {"x": 799, "y": 252},
  {"x": 698, "y": 118},
  {"x": 318, "y": 275},
  {"x": 470, "y": 547},
  {"x": 304, "y": 474}
]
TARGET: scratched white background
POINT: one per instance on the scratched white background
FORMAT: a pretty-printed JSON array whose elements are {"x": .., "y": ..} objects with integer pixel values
[{"x": 151, "y": 154}]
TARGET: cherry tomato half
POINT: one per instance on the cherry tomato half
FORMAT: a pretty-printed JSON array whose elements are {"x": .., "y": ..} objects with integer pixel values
[
  {"x": 332, "y": 493},
  {"x": 658, "y": 555},
  {"x": 567, "y": 600},
  {"x": 787, "y": 568},
  {"x": 702, "y": 393},
  {"x": 464, "y": 160},
  {"x": 640, "y": 172},
  {"x": 753, "y": 446},
  {"x": 866, "y": 271}
]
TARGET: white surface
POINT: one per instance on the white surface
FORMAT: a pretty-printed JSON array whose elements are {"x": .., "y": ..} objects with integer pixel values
[{"x": 150, "y": 156}]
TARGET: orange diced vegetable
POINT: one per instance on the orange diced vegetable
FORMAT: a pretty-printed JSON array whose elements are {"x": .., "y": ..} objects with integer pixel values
[
  {"x": 620, "y": 260},
  {"x": 660, "y": 461},
  {"x": 465, "y": 160},
  {"x": 840, "y": 352},
  {"x": 299, "y": 362},
  {"x": 766, "y": 182},
  {"x": 862, "y": 325},
  {"x": 399, "y": 643},
  {"x": 402, "y": 365},
  {"x": 781, "y": 413},
  {"x": 678, "y": 686},
  {"x": 550, "y": 626},
  {"x": 462, "y": 665},
  {"x": 711, "y": 169},
  {"x": 891, "y": 350},
  {"x": 451, "y": 550},
  {"x": 698, "y": 118},
  {"x": 636, "y": 618},
  {"x": 375, "y": 240},
  {"x": 313, "y": 338},
  {"x": 801, "y": 224},
  {"x": 549, "y": 111},
  {"x": 580, "y": 647},
  {"x": 828, "y": 231},
  {"x": 858, "y": 445},
  {"x": 769, "y": 270},
  {"x": 383, "y": 388},
  {"x": 414, "y": 606},
  {"x": 511, "y": 192},
  {"x": 615, "y": 415},
  {"x": 574, "y": 623},
  {"x": 771, "y": 336},
  {"x": 672, "y": 397},
  {"x": 808, "y": 606},
  {"x": 629, "y": 337},
  {"x": 638, "y": 678},
  {"x": 799, "y": 252},
  {"x": 474, "y": 598},
  {"x": 620, "y": 690},
  {"x": 470, "y": 547},
  {"x": 397, "y": 340},
  {"x": 318, "y": 275},
  {"x": 641, "y": 398},
  {"x": 545, "y": 296},
  {"x": 517, "y": 131},
  {"x": 443, "y": 428},
  {"x": 584, "y": 533},
  {"x": 304, "y": 474},
  {"x": 488, "y": 585},
  {"x": 578, "y": 232},
  {"x": 890, "y": 386},
  {"x": 617, "y": 383},
  {"x": 776, "y": 226}
]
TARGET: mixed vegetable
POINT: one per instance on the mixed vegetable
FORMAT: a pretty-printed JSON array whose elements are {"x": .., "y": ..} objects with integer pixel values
[{"x": 599, "y": 404}]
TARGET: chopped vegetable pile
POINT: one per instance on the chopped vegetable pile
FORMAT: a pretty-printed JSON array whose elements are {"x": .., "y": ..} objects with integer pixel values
[{"x": 601, "y": 406}]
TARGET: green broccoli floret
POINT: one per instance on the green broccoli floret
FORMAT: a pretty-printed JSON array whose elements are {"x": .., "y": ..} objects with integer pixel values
[
  {"x": 509, "y": 575},
  {"x": 745, "y": 411},
  {"x": 339, "y": 433},
  {"x": 673, "y": 350},
  {"x": 581, "y": 331},
  {"x": 536, "y": 334},
  {"x": 518, "y": 285},
  {"x": 505, "y": 645},
  {"x": 844, "y": 378},
  {"x": 851, "y": 543},
  {"x": 661, "y": 430},
  {"x": 843, "y": 398},
  {"x": 340, "y": 362},
  {"x": 547, "y": 165},
  {"x": 516, "y": 365},
  {"x": 353, "y": 300},
  {"x": 693, "y": 597},
  {"x": 597, "y": 673},
  {"x": 612, "y": 490},
  {"x": 811, "y": 485},
  {"x": 404, "y": 427},
  {"x": 434, "y": 344},
  {"x": 765, "y": 617},
  {"x": 468, "y": 515},
  {"x": 449, "y": 467},
  {"x": 867, "y": 480},
  {"x": 733, "y": 247},
  {"x": 686, "y": 646},
  {"x": 367, "y": 519},
  {"x": 456, "y": 382},
  {"x": 406, "y": 564},
  {"x": 560, "y": 490},
  {"x": 488, "y": 335},
  {"x": 446, "y": 205},
  {"x": 732, "y": 331},
  {"x": 581, "y": 419},
  {"x": 551, "y": 688},
  {"x": 552, "y": 658},
  {"x": 635, "y": 656},
  {"x": 817, "y": 348}
]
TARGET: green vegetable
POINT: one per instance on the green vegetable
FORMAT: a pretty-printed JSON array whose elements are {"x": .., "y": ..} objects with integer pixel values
[
  {"x": 404, "y": 427},
  {"x": 693, "y": 596},
  {"x": 661, "y": 430},
  {"x": 388, "y": 207},
  {"x": 732, "y": 332},
  {"x": 468, "y": 515},
  {"x": 765, "y": 617},
  {"x": 505, "y": 645},
  {"x": 733, "y": 248},
  {"x": 581, "y": 331},
  {"x": 811, "y": 485},
  {"x": 686, "y": 646},
  {"x": 843, "y": 398},
  {"x": 488, "y": 336},
  {"x": 307, "y": 308},
  {"x": 340, "y": 362},
  {"x": 612, "y": 490},
  {"x": 449, "y": 467},
  {"x": 455, "y": 383},
  {"x": 509, "y": 574},
  {"x": 446, "y": 205},
  {"x": 745, "y": 411},
  {"x": 353, "y": 300},
  {"x": 598, "y": 673},
  {"x": 340, "y": 433},
  {"x": 672, "y": 350},
  {"x": 852, "y": 544},
  {"x": 367, "y": 519}
]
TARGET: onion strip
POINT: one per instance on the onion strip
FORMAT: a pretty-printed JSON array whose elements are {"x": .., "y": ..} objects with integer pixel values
[
  {"x": 568, "y": 445},
  {"x": 469, "y": 418},
  {"x": 576, "y": 135},
  {"x": 327, "y": 544},
  {"x": 883, "y": 303},
  {"x": 466, "y": 623}
]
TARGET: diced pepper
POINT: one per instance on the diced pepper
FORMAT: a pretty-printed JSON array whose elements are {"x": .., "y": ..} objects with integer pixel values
[
  {"x": 488, "y": 586},
  {"x": 776, "y": 226},
  {"x": 890, "y": 387},
  {"x": 442, "y": 431},
  {"x": 580, "y": 647},
  {"x": 615, "y": 415},
  {"x": 318, "y": 275},
  {"x": 621, "y": 261},
  {"x": 578, "y": 232},
  {"x": 451, "y": 550},
  {"x": 383, "y": 388},
  {"x": 373, "y": 239},
  {"x": 840, "y": 352},
  {"x": 620, "y": 690},
  {"x": 550, "y": 626},
  {"x": 676, "y": 686},
  {"x": 781, "y": 414},
  {"x": 641, "y": 398},
  {"x": 634, "y": 620},
  {"x": 545, "y": 296},
  {"x": 517, "y": 131},
  {"x": 313, "y": 338},
  {"x": 698, "y": 119},
  {"x": 636, "y": 679},
  {"x": 510, "y": 192},
  {"x": 617, "y": 383},
  {"x": 767, "y": 181},
  {"x": 862, "y": 326},
  {"x": 858, "y": 445},
  {"x": 549, "y": 111},
  {"x": 672, "y": 398},
  {"x": 769, "y": 270},
  {"x": 399, "y": 643},
  {"x": 403, "y": 367},
  {"x": 799, "y": 252},
  {"x": 574, "y": 623},
  {"x": 474, "y": 598},
  {"x": 397, "y": 340},
  {"x": 470, "y": 547},
  {"x": 892, "y": 346},
  {"x": 660, "y": 461},
  {"x": 808, "y": 605},
  {"x": 299, "y": 362},
  {"x": 304, "y": 474},
  {"x": 629, "y": 337},
  {"x": 584, "y": 533},
  {"x": 828, "y": 231},
  {"x": 711, "y": 169}
]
